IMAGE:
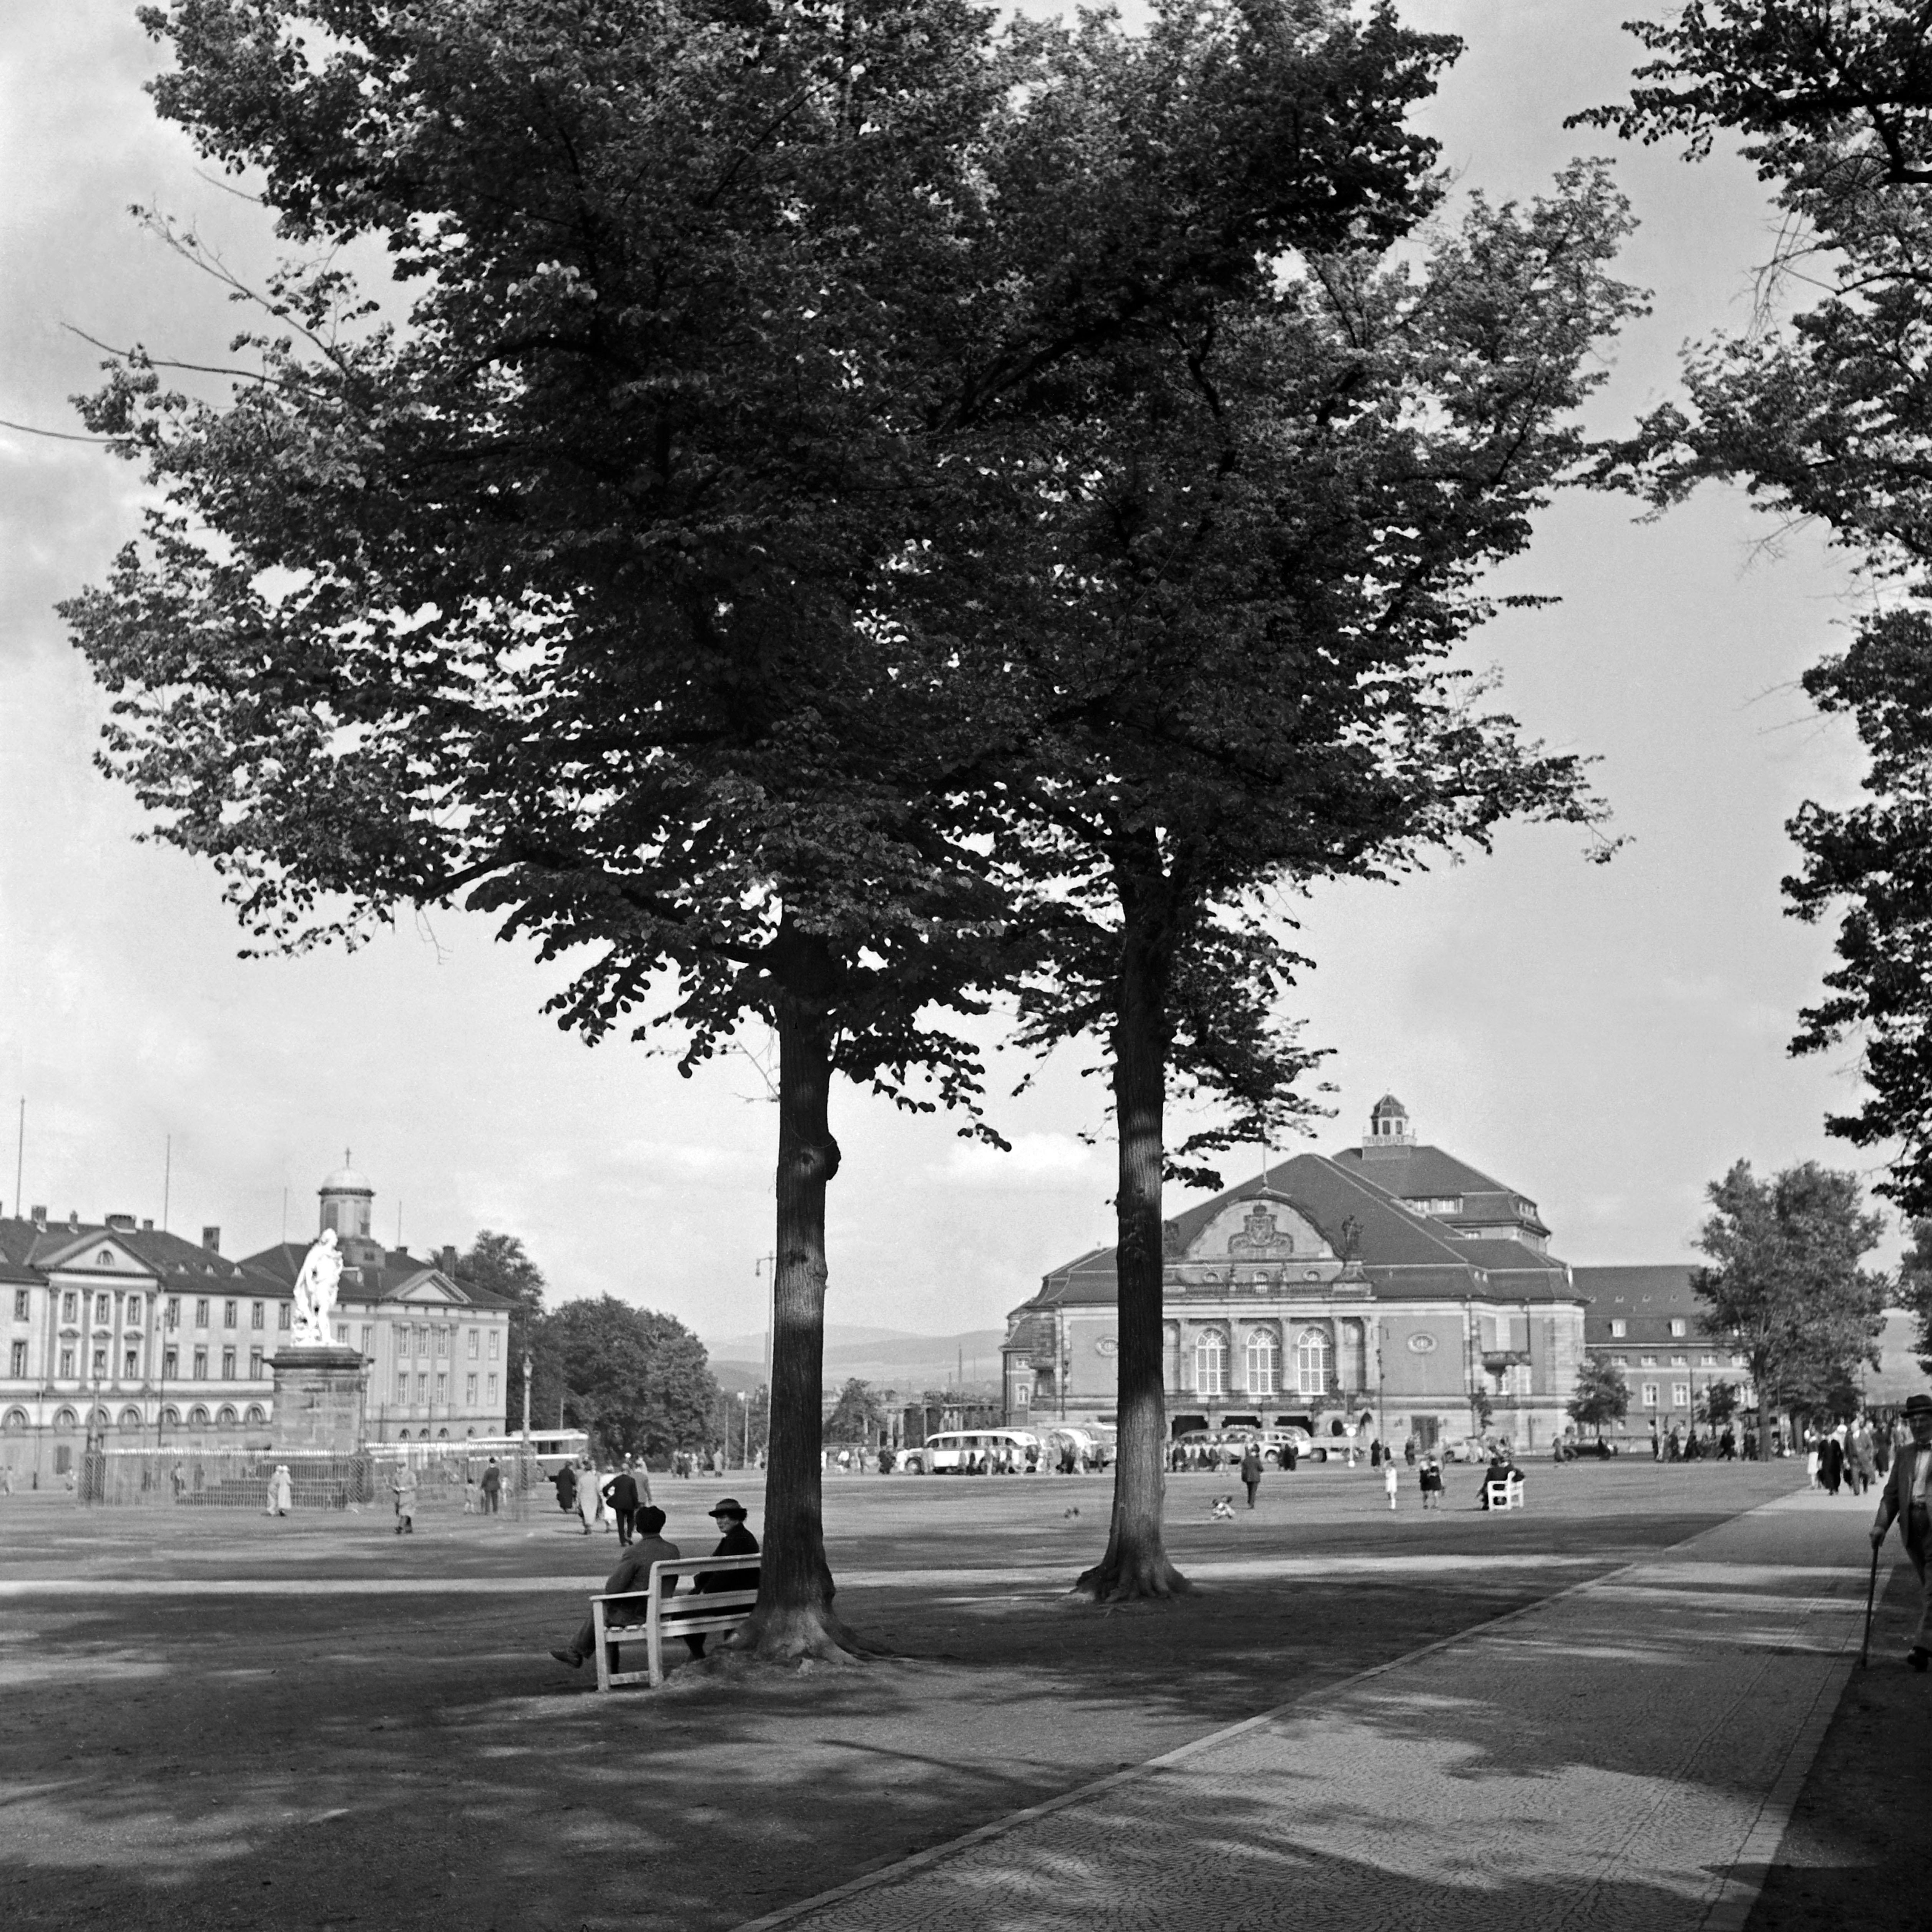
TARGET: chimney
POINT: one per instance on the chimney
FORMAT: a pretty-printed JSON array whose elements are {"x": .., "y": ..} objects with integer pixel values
[
  {"x": 446, "y": 1260},
  {"x": 124, "y": 1222},
  {"x": 74, "y": 1220},
  {"x": 147, "y": 1227},
  {"x": 39, "y": 1218},
  {"x": 211, "y": 1239}
]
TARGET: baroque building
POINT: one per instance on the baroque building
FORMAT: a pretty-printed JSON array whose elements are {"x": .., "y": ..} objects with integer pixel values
[
  {"x": 1392, "y": 1284},
  {"x": 142, "y": 1339}
]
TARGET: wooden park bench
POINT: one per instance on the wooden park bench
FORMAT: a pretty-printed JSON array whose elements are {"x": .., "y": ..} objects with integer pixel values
[
  {"x": 1506, "y": 1495},
  {"x": 666, "y": 1614}
]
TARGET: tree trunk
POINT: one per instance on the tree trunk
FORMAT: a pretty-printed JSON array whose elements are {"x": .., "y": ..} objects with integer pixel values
[
  {"x": 794, "y": 1618},
  {"x": 1135, "y": 1564}
]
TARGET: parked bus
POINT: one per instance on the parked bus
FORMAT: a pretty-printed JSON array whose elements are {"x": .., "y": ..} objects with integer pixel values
[{"x": 978, "y": 1452}]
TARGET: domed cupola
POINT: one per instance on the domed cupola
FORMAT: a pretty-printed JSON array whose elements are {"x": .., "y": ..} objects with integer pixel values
[
  {"x": 1389, "y": 1131},
  {"x": 348, "y": 1202}
]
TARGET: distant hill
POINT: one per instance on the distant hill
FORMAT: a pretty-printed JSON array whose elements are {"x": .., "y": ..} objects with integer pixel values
[{"x": 888, "y": 1357}]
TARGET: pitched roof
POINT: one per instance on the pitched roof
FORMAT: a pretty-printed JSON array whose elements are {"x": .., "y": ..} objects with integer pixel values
[
  {"x": 1407, "y": 1255},
  {"x": 27, "y": 1252},
  {"x": 1417, "y": 1171},
  {"x": 400, "y": 1270},
  {"x": 1646, "y": 1297}
]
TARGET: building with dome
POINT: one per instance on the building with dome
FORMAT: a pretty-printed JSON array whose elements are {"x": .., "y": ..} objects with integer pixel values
[
  {"x": 115, "y": 1328},
  {"x": 1391, "y": 1283}
]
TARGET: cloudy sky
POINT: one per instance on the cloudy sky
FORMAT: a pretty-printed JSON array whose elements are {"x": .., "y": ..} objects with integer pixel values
[{"x": 1607, "y": 1039}]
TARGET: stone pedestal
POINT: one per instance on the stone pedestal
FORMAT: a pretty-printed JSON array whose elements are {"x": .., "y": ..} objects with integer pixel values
[{"x": 319, "y": 1399}]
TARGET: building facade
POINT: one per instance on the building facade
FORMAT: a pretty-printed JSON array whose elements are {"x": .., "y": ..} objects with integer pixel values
[
  {"x": 139, "y": 1336},
  {"x": 1645, "y": 1323},
  {"x": 1391, "y": 1285}
]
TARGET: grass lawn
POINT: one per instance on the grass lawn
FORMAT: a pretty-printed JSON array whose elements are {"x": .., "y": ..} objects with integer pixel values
[{"x": 374, "y": 1735}]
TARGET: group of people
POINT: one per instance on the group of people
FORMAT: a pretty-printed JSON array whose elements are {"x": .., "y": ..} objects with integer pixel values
[
  {"x": 647, "y": 1545},
  {"x": 1852, "y": 1455}
]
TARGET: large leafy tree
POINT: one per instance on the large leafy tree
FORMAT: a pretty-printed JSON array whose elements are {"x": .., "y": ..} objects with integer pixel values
[
  {"x": 1826, "y": 414},
  {"x": 1785, "y": 1287},
  {"x": 639, "y": 1382},
  {"x": 1261, "y": 533},
  {"x": 1602, "y": 1396},
  {"x": 594, "y": 593},
  {"x": 1915, "y": 1289}
]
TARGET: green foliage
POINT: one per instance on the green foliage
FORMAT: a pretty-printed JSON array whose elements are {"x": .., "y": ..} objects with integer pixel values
[
  {"x": 1785, "y": 1287},
  {"x": 1915, "y": 1289},
  {"x": 1827, "y": 416},
  {"x": 639, "y": 1382},
  {"x": 1602, "y": 1395},
  {"x": 857, "y": 1416},
  {"x": 1482, "y": 1406},
  {"x": 1717, "y": 1403}
]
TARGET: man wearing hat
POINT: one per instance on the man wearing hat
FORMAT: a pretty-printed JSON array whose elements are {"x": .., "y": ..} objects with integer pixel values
[
  {"x": 737, "y": 1541},
  {"x": 633, "y": 1573},
  {"x": 1907, "y": 1495}
]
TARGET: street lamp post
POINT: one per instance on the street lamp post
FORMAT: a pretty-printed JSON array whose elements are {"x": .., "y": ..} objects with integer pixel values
[{"x": 744, "y": 1414}]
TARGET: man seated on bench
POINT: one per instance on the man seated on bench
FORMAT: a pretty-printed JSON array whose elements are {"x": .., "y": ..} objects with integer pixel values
[
  {"x": 1500, "y": 1470},
  {"x": 737, "y": 1541},
  {"x": 633, "y": 1573}
]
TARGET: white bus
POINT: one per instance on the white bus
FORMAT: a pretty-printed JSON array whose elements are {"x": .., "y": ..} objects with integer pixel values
[
  {"x": 550, "y": 1449},
  {"x": 978, "y": 1452}
]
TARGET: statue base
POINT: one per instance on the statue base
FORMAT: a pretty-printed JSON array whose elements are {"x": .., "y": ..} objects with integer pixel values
[{"x": 320, "y": 1399}]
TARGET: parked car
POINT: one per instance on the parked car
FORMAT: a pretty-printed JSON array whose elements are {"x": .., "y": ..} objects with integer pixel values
[{"x": 1469, "y": 1449}]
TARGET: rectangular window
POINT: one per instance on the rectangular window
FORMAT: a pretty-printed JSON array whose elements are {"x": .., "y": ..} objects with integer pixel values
[
  {"x": 422, "y": 1388},
  {"x": 19, "y": 1359},
  {"x": 1680, "y": 1395},
  {"x": 130, "y": 1366},
  {"x": 201, "y": 1312},
  {"x": 257, "y": 1314},
  {"x": 442, "y": 1341},
  {"x": 1650, "y": 1395},
  {"x": 469, "y": 1391},
  {"x": 442, "y": 1389},
  {"x": 254, "y": 1365},
  {"x": 1678, "y": 1326},
  {"x": 494, "y": 1338},
  {"x": 1680, "y": 1361},
  {"x": 342, "y": 1334},
  {"x": 170, "y": 1361},
  {"x": 20, "y": 1304},
  {"x": 1618, "y": 1330},
  {"x": 403, "y": 1346},
  {"x": 100, "y": 1363},
  {"x": 476, "y": 1343},
  {"x": 368, "y": 1337},
  {"x": 284, "y": 1315},
  {"x": 1707, "y": 1361},
  {"x": 171, "y": 1314},
  {"x": 402, "y": 1385},
  {"x": 1646, "y": 1361},
  {"x": 103, "y": 1308},
  {"x": 493, "y": 1391},
  {"x": 201, "y": 1362},
  {"x": 1740, "y": 1361},
  {"x": 1620, "y": 1361},
  {"x": 228, "y": 1365},
  {"x": 228, "y": 1313},
  {"x": 133, "y": 1308},
  {"x": 70, "y": 1306},
  {"x": 67, "y": 1364}
]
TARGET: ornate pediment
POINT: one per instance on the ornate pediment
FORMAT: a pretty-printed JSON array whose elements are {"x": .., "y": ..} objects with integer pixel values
[{"x": 1259, "y": 1230}]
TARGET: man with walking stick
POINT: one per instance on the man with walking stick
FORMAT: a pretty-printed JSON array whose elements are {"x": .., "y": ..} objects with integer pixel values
[{"x": 1905, "y": 1496}]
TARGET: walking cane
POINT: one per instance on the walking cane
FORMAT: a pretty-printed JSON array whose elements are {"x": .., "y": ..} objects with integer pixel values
[{"x": 1871, "y": 1594}]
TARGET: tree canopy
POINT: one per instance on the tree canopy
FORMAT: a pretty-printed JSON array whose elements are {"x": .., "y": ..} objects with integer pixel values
[
  {"x": 498, "y": 1264},
  {"x": 1822, "y": 411},
  {"x": 1785, "y": 1286},
  {"x": 639, "y": 1382},
  {"x": 858, "y": 1414},
  {"x": 1602, "y": 1396}
]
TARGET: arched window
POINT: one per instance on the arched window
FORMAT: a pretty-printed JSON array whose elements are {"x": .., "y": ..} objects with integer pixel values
[
  {"x": 1262, "y": 1362},
  {"x": 131, "y": 1418},
  {"x": 99, "y": 1419},
  {"x": 16, "y": 1419},
  {"x": 1211, "y": 1362},
  {"x": 227, "y": 1418},
  {"x": 65, "y": 1418},
  {"x": 1311, "y": 1358},
  {"x": 171, "y": 1416},
  {"x": 197, "y": 1416},
  {"x": 442, "y": 1435},
  {"x": 256, "y": 1414},
  {"x": 402, "y": 1435}
]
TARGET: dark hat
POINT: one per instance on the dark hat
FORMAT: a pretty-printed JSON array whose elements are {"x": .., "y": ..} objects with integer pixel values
[
  {"x": 729, "y": 1506},
  {"x": 650, "y": 1521},
  {"x": 1918, "y": 1404}
]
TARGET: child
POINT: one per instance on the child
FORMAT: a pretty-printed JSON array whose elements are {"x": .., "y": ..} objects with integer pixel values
[
  {"x": 1388, "y": 1481},
  {"x": 1223, "y": 1510},
  {"x": 1432, "y": 1483}
]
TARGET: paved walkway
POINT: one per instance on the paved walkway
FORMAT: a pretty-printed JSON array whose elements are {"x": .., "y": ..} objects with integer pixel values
[{"x": 1625, "y": 1754}]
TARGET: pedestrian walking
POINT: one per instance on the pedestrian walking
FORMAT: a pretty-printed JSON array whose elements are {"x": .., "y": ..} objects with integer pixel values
[
  {"x": 403, "y": 1484},
  {"x": 621, "y": 1493},
  {"x": 590, "y": 1496},
  {"x": 1831, "y": 1464},
  {"x": 1389, "y": 1481},
  {"x": 1906, "y": 1499},
  {"x": 281, "y": 1491},
  {"x": 565, "y": 1480},
  {"x": 492, "y": 1487},
  {"x": 1432, "y": 1482},
  {"x": 1251, "y": 1471},
  {"x": 1409, "y": 1451},
  {"x": 473, "y": 1494}
]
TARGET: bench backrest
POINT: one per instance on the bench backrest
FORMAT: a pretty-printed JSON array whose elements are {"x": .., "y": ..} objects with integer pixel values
[{"x": 665, "y": 1573}]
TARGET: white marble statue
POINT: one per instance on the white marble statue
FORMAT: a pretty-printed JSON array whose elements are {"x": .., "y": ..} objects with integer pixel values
[{"x": 315, "y": 1293}]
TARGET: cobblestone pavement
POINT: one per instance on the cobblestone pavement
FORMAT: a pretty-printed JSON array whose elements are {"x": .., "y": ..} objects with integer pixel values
[{"x": 1624, "y": 1754}]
